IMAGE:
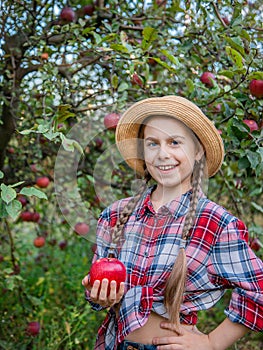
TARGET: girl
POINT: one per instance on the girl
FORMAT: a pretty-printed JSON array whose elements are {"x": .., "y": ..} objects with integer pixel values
[{"x": 181, "y": 250}]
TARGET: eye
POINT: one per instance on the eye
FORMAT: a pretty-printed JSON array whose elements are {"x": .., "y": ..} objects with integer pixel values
[
  {"x": 175, "y": 142},
  {"x": 151, "y": 144}
]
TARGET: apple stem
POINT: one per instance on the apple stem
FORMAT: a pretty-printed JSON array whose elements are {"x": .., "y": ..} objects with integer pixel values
[{"x": 111, "y": 252}]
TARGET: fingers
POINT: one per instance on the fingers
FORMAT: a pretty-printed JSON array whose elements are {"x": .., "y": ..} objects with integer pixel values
[{"x": 105, "y": 293}]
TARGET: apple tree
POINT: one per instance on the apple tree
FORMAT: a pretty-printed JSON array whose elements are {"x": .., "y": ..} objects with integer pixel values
[{"x": 70, "y": 68}]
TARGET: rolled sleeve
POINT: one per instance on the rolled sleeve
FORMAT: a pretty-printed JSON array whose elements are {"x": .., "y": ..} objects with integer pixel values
[{"x": 234, "y": 265}]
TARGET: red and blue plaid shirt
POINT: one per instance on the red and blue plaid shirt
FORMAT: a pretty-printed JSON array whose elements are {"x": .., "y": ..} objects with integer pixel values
[{"x": 218, "y": 258}]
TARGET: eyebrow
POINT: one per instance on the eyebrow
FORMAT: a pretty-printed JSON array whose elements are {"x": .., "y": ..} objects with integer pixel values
[{"x": 169, "y": 136}]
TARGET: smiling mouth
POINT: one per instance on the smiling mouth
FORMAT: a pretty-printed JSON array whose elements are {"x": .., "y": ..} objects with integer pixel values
[{"x": 166, "y": 167}]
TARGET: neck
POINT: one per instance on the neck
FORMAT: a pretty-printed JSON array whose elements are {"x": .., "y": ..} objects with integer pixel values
[{"x": 163, "y": 195}]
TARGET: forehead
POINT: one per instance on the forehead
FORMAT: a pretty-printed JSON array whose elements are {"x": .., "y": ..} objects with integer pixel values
[{"x": 166, "y": 125}]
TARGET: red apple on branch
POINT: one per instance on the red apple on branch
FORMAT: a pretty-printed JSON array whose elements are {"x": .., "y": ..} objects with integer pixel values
[
  {"x": 207, "y": 78},
  {"x": 111, "y": 120},
  {"x": 81, "y": 228},
  {"x": 111, "y": 268},
  {"x": 255, "y": 244},
  {"x": 88, "y": 9},
  {"x": 252, "y": 124},
  {"x": 43, "y": 182},
  {"x": 256, "y": 88},
  {"x": 67, "y": 14},
  {"x": 39, "y": 241}
]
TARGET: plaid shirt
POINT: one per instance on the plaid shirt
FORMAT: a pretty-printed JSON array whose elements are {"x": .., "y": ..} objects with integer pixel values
[{"x": 218, "y": 258}]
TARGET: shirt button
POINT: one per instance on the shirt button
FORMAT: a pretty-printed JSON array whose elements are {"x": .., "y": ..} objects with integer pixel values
[{"x": 146, "y": 254}]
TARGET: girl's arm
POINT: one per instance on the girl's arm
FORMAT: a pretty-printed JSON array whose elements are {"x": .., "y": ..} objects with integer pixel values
[
  {"x": 221, "y": 338},
  {"x": 226, "y": 334}
]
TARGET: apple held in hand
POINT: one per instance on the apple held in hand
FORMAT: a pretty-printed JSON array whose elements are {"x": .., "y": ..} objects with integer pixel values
[{"x": 111, "y": 268}]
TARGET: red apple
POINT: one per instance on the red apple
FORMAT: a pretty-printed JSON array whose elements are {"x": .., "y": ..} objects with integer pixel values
[
  {"x": 11, "y": 150},
  {"x": 256, "y": 88},
  {"x": 67, "y": 14},
  {"x": 39, "y": 241},
  {"x": 43, "y": 182},
  {"x": 44, "y": 56},
  {"x": 111, "y": 268},
  {"x": 111, "y": 120},
  {"x": 207, "y": 78},
  {"x": 33, "y": 328},
  {"x": 35, "y": 217},
  {"x": 63, "y": 245},
  {"x": 136, "y": 80},
  {"x": 226, "y": 20},
  {"x": 88, "y": 9},
  {"x": 255, "y": 244},
  {"x": 26, "y": 216},
  {"x": 252, "y": 124},
  {"x": 22, "y": 200},
  {"x": 81, "y": 228},
  {"x": 98, "y": 142}
]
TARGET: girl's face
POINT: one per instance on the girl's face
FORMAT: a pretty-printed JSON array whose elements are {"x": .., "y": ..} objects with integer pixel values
[{"x": 170, "y": 151}]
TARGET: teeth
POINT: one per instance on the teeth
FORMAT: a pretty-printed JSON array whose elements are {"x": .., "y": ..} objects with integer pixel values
[{"x": 166, "y": 167}]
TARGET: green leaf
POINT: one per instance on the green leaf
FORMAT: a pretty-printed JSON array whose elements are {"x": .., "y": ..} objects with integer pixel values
[
  {"x": 32, "y": 191},
  {"x": 227, "y": 73},
  {"x": 235, "y": 56},
  {"x": 236, "y": 43},
  {"x": 190, "y": 85},
  {"x": 257, "y": 206},
  {"x": 253, "y": 158},
  {"x": 114, "y": 81},
  {"x": 13, "y": 209},
  {"x": 1, "y": 174},
  {"x": 64, "y": 113},
  {"x": 171, "y": 57},
  {"x": 123, "y": 86},
  {"x": 119, "y": 48},
  {"x": 149, "y": 36},
  {"x": 255, "y": 75},
  {"x": 3, "y": 212},
  {"x": 165, "y": 65},
  {"x": 8, "y": 194},
  {"x": 97, "y": 38}
]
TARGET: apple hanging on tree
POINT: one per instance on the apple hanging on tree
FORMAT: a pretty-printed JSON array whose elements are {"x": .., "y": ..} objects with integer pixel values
[
  {"x": 252, "y": 124},
  {"x": 256, "y": 88},
  {"x": 81, "y": 228},
  {"x": 39, "y": 241},
  {"x": 67, "y": 14},
  {"x": 111, "y": 120},
  {"x": 111, "y": 268},
  {"x": 42, "y": 182},
  {"x": 208, "y": 79}
]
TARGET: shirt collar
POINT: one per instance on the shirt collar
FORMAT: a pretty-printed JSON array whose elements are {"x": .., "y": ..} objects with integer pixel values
[{"x": 177, "y": 207}]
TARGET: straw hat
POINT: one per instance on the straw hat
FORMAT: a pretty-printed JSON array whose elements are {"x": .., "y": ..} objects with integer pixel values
[{"x": 173, "y": 106}]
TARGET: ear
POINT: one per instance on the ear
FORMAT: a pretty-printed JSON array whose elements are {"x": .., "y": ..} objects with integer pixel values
[{"x": 199, "y": 152}]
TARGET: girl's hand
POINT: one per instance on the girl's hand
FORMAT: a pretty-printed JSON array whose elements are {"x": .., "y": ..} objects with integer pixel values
[
  {"x": 190, "y": 340},
  {"x": 99, "y": 292}
]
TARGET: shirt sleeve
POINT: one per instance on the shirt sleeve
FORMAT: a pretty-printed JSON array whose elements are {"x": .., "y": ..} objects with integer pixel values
[{"x": 234, "y": 265}]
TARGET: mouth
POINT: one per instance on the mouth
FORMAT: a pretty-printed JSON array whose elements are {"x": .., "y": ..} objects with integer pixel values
[{"x": 166, "y": 167}]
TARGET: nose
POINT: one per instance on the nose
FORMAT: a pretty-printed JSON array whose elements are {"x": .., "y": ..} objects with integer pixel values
[{"x": 163, "y": 152}]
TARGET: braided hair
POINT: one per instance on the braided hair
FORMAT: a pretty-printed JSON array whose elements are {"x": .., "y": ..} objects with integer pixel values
[
  {"x": 128, "y": 209},
  {"x": 175, "y": 284}
]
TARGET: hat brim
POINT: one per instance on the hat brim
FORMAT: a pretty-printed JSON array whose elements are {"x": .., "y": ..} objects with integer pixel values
[{"x": 177, "y": 107}]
